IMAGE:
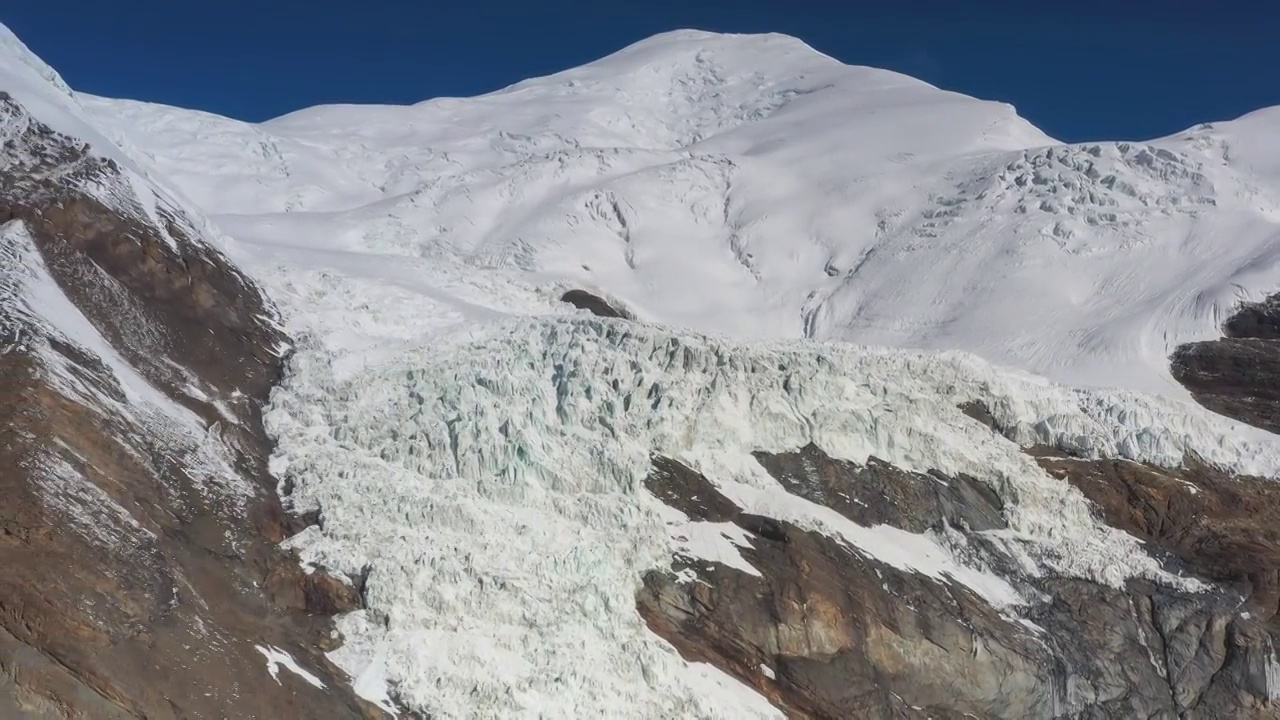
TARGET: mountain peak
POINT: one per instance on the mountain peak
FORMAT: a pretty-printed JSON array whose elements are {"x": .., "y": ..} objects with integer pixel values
[
  {"x": 18, "y": 65},
  {"x": 773, "y": 56},
  {"x": 711, "y": 39}
]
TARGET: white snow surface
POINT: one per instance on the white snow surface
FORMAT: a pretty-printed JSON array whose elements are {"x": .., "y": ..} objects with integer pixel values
[
  {"x": 749, "y": 185},
  {"x": 760, "y": 207},
  {"x": 45, "y": 96}
]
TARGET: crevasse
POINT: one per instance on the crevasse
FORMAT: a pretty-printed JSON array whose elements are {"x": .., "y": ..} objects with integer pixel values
[{"x": 491, "y": 489}]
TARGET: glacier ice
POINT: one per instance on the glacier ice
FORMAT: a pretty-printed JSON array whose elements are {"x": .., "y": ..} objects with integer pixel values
[{"x": 491, "y": 488}]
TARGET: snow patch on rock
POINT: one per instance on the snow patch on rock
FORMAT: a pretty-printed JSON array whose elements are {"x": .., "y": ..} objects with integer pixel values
[{"x": 277, "y": 659}]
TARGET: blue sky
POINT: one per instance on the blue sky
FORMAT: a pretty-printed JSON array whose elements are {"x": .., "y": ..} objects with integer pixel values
[{"x": 1125, "y": 69}]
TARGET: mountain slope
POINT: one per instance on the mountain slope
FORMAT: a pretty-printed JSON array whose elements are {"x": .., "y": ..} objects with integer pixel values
[
  {"x": 748, "y": 185},
  {"x": 139, "y": 525},
  {"x": 706, "y": 507}
]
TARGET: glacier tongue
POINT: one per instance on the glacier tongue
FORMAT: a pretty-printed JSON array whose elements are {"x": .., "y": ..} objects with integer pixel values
[{"x": 491, "y": 490}]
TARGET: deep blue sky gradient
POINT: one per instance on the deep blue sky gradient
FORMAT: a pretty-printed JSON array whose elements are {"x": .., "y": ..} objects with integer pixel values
[{"x": 1125, "y": 69}]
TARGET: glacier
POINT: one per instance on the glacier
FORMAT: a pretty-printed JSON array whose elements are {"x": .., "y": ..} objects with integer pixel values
[{"x": 490, "y": 491}]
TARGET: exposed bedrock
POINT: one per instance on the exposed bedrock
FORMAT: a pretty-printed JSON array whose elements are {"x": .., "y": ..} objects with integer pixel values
[
  {"x": 594, "y": 304},
  {"x": 1238, "y": 375},
  {"x": 827, "y": 631}
]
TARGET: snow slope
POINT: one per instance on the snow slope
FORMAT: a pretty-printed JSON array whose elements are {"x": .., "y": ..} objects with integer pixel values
[
  {"x": 479, "y": 452},
  {"x": 47, "y": 98},
  {"x": 751, "y": 186}
]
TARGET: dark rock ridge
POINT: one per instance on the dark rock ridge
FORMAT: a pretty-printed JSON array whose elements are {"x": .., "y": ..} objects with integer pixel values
[
  {"x": 143, "y": 576},
  {"x": 594, "y": 304},
  {"x": 1259, "y": 320},
  {"x": 830, "y": 632},
  {"x": 1239, "y": 374},
  {"x": 880, "y": 494}
]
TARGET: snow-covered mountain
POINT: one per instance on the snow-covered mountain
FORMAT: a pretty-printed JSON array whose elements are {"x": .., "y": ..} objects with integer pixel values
[
  {"x": 493, "y": 470},
  {"x": 749, "y": 185}
]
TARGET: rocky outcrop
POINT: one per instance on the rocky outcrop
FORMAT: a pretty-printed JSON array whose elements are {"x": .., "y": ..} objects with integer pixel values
[
  {"x": 593, "y": 304},
  {"x": 1219, "y": 526},
  {"x": 884, "y": 494},
  {"x": 138, "y": 523},
  {"x": 826, "y": 631},
  {"x": 1238, "y": 375},
  {"x": 1220, "y": 647}
]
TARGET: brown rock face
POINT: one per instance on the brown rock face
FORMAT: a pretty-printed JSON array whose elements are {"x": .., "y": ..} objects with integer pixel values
[
  {"x": 828, "y": 632},
  {"x": 1219, "y": 528},
  {"x": 136, "y": 545},
  {"x": 1222, "y": 527},
  {"x": 1238, "y": 375}
]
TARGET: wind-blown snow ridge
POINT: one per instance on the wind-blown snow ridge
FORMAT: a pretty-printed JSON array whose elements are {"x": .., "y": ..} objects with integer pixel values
[{"x": 46, "y": 98}]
